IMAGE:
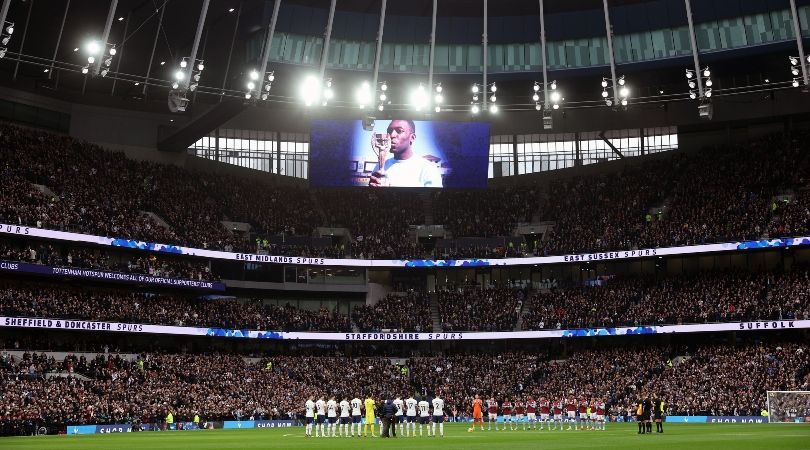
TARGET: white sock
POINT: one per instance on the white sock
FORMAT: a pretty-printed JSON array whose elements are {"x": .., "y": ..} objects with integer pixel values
[{"x": 441, "y": 428}]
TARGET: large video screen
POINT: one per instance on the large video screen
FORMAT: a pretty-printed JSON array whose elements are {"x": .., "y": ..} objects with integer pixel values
[{"x": 398, "y": 153}]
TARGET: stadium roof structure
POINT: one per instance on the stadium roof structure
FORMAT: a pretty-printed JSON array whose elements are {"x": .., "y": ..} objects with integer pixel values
[{"x": 746, "y": 44}]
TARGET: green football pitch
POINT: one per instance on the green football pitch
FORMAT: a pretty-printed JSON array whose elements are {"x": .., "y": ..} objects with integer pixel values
[{"x": 618, "y": 436}]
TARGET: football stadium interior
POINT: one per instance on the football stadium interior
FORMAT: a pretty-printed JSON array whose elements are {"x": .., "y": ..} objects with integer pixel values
[{"x": 366, "y": 224}]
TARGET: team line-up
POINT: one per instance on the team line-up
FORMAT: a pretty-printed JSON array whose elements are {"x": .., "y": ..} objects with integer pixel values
[{"x": 330, "y": 418}]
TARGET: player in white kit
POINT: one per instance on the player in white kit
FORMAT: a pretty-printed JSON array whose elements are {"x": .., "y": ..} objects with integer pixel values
[
  {"x": 320, "y": 410},
  {"x": 410, "y": 414},
  {"x": 424, "y": 416},
  {"x": 331, "y": 414},
  {"x": 438, "y": 415},
  {"x": 356, "y": 415},
  {"x": 309, "y": 406},
  {"x": 345, "y": 420},
  {"x": 398, "y": 416}
]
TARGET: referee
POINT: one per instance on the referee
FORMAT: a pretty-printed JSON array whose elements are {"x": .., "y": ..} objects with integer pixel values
[
  {"x": 646, "y": 413},
  {"x": 658, "y": 414},
  {"x": 640, "y": 416}
]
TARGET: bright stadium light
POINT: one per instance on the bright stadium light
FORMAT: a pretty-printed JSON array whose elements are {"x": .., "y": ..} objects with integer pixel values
[
  {"x": 254, "y": 75},
  {"x": 493, "y": 88},
  {"x": 555, "y": 96},
  {"x": 553, "y": 85},
  {"x": 475, "y": 109},
  {"x": 183, "y": 64},
  {"x": 310, "y": 90},
  {"x": 113, "y": 51},
  {"x": 492, "y": 98},
  {"x": 621, "y": 80},
  {"x": 179, "y": 75},
  {"x": 604, "y": 83},
  {"x": 535, "y": 98},
  {"x": 707, "y": 72},
  {"x": 624, "y": 92},
  {"x": 92, "y": 47},
  {"x": 419, "y": 98},
  {"x": 536, "y": 86},
  {"x": 493, "y": 109},
  {"x": 251, "y": 85},
  {"x": 475, "y": 89},
  {"x": 363, "y": 95}
]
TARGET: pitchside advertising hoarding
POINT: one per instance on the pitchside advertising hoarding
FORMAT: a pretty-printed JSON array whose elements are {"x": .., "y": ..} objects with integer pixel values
[
  {"x": 179, "y": 426},
  {"x": 83, "y": 325},
  {"x": 302, "y": 260}
]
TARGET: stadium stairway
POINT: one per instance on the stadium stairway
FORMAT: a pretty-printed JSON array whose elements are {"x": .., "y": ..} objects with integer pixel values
[
  {"x": 524, "y": 308},
  {"x": 319, "y": 208},
  {"x": 434, "y": 312},
  {"x": 44, "y": 190},
  {"x": 157, "y": 219},
  {"x": 427, "y": 206}
]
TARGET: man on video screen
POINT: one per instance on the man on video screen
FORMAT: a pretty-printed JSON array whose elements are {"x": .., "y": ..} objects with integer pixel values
[{"x": 405, "y": 169}]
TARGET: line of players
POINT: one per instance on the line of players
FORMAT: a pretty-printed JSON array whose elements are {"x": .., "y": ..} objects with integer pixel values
[
  {"x": 580, "y": 413},
  {"x": 323, "y": 417}
]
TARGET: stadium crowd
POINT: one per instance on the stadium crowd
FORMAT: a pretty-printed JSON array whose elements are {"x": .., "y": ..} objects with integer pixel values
[
  {"x": 601, "y": 212},
  {"x": 703, "y": 381},
  {"x": 698, "y": 298},
  {"x": 480, "y": 309},
  {"x": 52, "y": 254},
  {"x": 408, "y": 312},
  {"x": 21, "y": 300}
]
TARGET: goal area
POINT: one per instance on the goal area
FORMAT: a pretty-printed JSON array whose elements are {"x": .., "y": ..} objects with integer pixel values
[{"x": 789, "y": 407}]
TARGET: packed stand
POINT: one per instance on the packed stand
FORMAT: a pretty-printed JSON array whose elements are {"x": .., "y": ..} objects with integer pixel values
[
  {"x": 86, "y": 258},
  {"x": 727, "y": 202},
  {"x": 143, "y": 388},
  {"x": 494, "y": 309},
  {"x": 491, "y": 212},
  {"x": 379, "y": 220},
  {"x": 700, "y": 298},
  {"x": 19, "y": 300},
  {"x": 83, "y": 175},
  {"x": 395, "y": 312}
]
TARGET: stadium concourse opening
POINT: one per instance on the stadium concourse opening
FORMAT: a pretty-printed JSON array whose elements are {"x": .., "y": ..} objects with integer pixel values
[{"x": 362, "y": 224}]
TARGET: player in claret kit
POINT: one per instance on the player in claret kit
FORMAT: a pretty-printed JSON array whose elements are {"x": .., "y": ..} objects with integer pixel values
[
  {"x": 478, "y": 413},
  {"x": 571, "y": 409},
  {"x": 519, "y": 414},
  {"x": 545, "y": 409},
  {"x": 559, "y": 411},
  {"x": 506, "y": 410},
  {"x": 492, "y": 408},
  {"x": 531, "y": 412},
  {"x": 592, "y": 415},
  {"x": 582, "y": 417},
  {"x": 600, "y": 414}
]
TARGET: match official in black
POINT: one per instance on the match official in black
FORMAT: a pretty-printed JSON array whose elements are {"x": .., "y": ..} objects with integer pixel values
[{"x": 658, "y": 414}]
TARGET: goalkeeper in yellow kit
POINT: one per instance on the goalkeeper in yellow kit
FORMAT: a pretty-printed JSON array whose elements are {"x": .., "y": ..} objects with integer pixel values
[{"x": 370, "y": 418}]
